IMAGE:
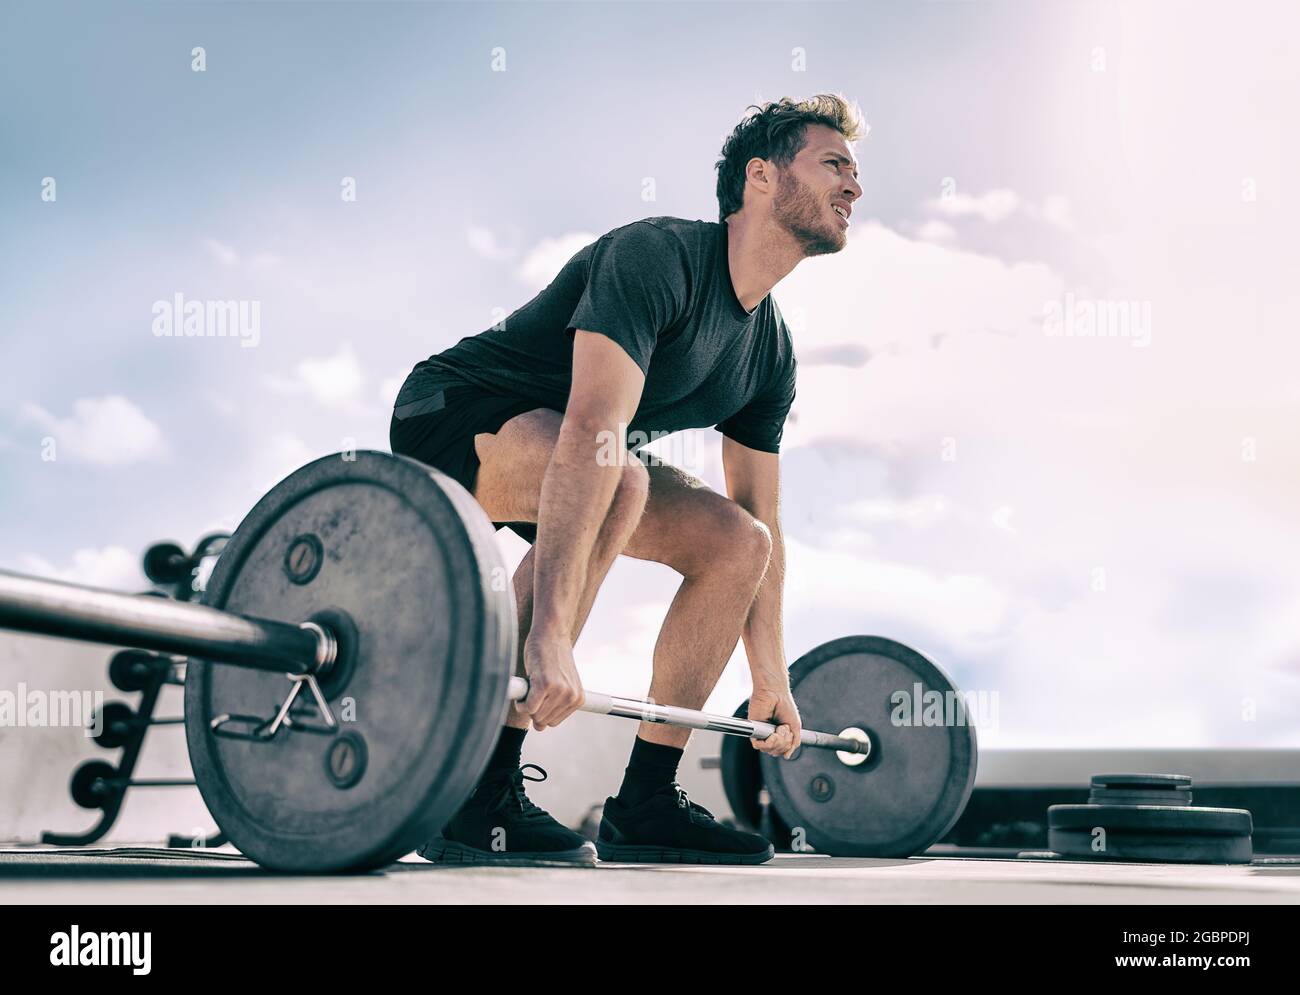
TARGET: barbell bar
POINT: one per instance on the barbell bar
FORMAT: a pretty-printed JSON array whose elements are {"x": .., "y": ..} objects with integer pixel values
[
  {"x": 689, "y": 718},
  {"x": 88, "y": 614}
]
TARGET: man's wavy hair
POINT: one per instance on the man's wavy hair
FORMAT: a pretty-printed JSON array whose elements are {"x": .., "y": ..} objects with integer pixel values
[{"x": 775, "y": 131}]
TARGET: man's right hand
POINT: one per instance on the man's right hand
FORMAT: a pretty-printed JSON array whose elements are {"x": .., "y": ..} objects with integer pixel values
[{"x": 554, "y": 688}]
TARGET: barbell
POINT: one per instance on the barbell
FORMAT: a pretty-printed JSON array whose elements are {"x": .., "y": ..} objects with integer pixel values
[{"x": 350, "y": 670}]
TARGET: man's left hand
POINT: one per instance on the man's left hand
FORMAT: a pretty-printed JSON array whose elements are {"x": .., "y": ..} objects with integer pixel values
[{"x": 776, "y": 705}]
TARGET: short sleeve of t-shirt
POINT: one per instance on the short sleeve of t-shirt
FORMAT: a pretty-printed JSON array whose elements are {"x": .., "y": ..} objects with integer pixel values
[
  {"x": 760, "y": 423},
  {"x": 637, "y": 286}
]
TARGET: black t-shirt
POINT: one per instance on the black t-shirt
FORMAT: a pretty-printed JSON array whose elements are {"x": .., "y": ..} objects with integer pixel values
[{"x": 661, "y": 288}]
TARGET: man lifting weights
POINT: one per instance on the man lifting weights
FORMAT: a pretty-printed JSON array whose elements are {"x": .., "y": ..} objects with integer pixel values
[{"x": 659, "y": 325}]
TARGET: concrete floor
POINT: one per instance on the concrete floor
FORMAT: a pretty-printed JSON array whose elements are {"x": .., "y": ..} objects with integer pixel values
[{"x": 128, "y": 876}]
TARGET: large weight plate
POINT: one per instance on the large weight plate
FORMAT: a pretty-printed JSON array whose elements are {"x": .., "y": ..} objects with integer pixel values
[
  {"x": 1176, "y": 833},
  {"x": 916, "y": 783},
  {"x": 1125, "y": 796},
  {"x": 1196, "y": 819},
  {"x": 742, "y": 777},
  {"x": 1147, "y": 848},
  {"x": 409, "y": 555}
]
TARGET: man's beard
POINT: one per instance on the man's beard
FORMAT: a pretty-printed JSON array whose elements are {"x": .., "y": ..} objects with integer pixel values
[{"x": 812, "y": 223}]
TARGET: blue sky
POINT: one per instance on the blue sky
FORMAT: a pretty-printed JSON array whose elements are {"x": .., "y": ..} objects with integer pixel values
[
  {"x": 154, "y": 163},
  {"x": 1018, "y": 153}
]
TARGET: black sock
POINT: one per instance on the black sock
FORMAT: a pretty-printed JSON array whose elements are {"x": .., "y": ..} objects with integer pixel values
[
  {"x": 652, "y": 766},
  {"x": 506, "y": 756}
]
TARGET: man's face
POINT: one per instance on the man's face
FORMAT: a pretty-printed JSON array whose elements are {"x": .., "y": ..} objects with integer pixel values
[{"x": 822, "y": 177}]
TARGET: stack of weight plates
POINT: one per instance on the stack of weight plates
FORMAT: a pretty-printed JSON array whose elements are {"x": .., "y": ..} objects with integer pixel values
[{"x": 1149, "y": 817}]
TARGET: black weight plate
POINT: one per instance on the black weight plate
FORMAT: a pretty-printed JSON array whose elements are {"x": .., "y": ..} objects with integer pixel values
[
  {"x": 742, "y": 783},
  {"x": 410, "y": 557},
  {"x": 911, "y": 790},
  {"x": 1126, "y": 796},
  {"x": 742, "y": 776},
  {"x": 1154, "y": 847},
  {"x": 1186, "y": 819},
  {"x": 1144, "y": 782}
]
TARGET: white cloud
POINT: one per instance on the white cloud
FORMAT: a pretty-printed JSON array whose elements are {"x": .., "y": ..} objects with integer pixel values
[
  {"x": 226, "y": 255},
  {"x": 1001, "y": 518},
  {"x": 847, "y": 354},
  {"x": 107, "y": 431},
  {"x": 483, "y": 241},
  {"x": 993, "y": 206},
  {"x": 286, "y": 452},
  {"x": 548, "y": 257},
  {"x": 389, "y": 388},
  {"x": 332, "y": 379},
  {"x": 886, "y": 292},
  {"x": 934, "y": 230},
  {"x": 111, "y": 567},
  {"x": 918, "y": 513},
  {"x": 223, "y": 253},
  {"x": 1056, "y": 211},
  {"x": 220, "y": 402},
  {"x": 335, "y": 380},
  {"x": 954, "y": 607},
  {"x": 272, "y": 459}
]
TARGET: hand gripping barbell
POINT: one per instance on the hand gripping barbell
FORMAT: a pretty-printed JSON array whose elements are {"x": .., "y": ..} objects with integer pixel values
[{"x": 374, "y": 584}]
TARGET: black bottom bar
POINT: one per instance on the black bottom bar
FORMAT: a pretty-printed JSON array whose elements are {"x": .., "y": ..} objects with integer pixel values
[{"x": 921, "y": 946}]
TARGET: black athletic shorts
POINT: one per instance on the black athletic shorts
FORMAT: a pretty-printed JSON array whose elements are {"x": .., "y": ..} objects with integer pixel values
[{"x": 439, "y": 431}]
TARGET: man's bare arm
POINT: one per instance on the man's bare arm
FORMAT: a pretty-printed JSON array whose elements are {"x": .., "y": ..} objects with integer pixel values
[
  {"x": 753, "y": 482},
  {"x": 577, "y": 491}
]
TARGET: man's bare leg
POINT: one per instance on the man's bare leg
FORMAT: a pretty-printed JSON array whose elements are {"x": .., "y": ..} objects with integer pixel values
[
  {"x": 722, "y": 553},
  {"x": 719, "y": 548},
  {"x": 513, "y": 463},
  {"x": 613, "y": 536}
]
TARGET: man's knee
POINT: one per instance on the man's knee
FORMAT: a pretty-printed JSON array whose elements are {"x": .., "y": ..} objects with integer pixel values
[
  {"x": 743, "y": 543},
  {"x": 756, "y": 541}
]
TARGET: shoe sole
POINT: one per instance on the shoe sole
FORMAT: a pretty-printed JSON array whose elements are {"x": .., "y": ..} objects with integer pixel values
[
  {"x": 632, "y": 854},
  {"x": 443, "y": 851}
]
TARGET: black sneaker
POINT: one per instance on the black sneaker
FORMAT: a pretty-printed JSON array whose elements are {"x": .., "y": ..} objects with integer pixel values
[
  {"x": 499, "y": 825},
  {"x": 669, "y": 828}
]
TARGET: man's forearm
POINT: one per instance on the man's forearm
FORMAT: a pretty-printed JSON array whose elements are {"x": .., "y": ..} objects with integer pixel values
[
  {"x": 577, "y": 492},
  {"x": 763, "y": 636}
]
